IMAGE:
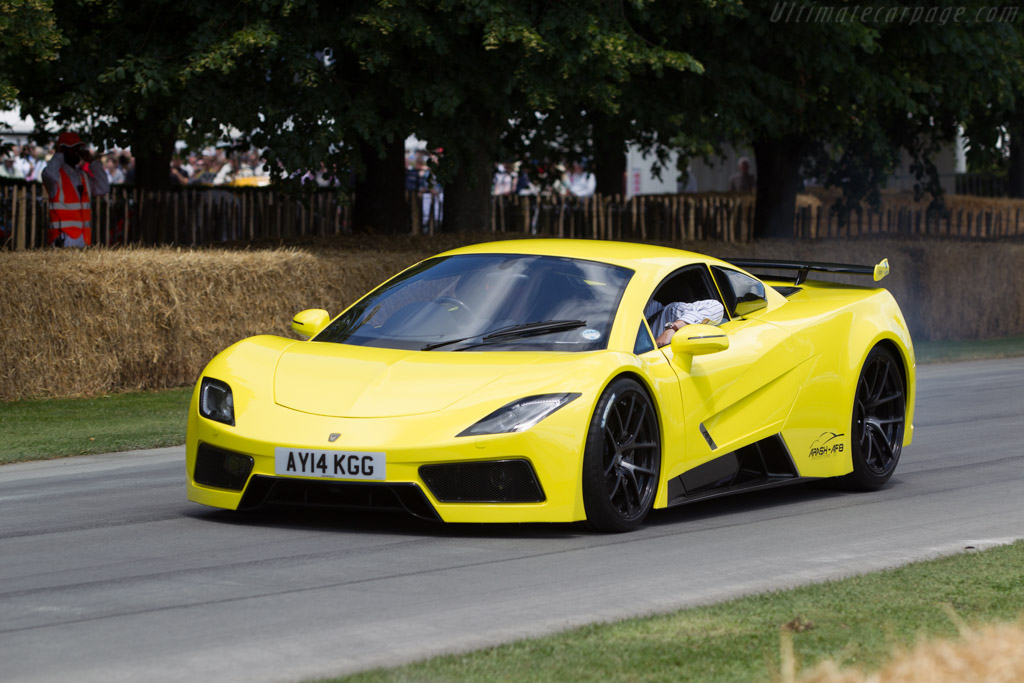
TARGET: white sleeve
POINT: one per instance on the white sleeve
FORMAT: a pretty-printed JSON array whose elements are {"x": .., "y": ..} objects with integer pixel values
[
  {"x": 99, "y": 184},
  {"x": 698, "y": 311},
  {"x": 51, "y": 174},
  {"x": 712, "y": 309}
]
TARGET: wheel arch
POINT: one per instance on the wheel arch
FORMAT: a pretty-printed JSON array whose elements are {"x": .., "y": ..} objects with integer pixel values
[
  {"x": 640, "y": 379},
  {"x": 896, "y": 351},
  {"x": 645, "y": 385},
  {"x": 903, "y": 353}
]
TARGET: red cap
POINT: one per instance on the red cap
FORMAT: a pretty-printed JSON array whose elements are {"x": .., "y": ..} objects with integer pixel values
[{"x": 67, "y": 139}]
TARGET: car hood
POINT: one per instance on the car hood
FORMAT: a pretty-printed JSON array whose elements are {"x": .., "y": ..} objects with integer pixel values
[{"x": 339, "y": 380}]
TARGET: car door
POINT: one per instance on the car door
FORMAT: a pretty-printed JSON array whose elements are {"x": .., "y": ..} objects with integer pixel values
[{"x": 733, "y": 397}]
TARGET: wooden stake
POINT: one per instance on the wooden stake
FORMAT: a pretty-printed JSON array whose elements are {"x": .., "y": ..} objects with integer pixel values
[{"x": 18, "y": 219}]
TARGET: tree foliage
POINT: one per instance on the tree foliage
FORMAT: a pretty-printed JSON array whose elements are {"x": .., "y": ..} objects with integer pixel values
[
  {"x": 313, "y": 81},
  {"x": 27, "y": 35},
  {"x": 836, "y": 98}
]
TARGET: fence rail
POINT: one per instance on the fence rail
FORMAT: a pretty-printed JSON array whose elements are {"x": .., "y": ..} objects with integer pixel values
[
  {"x": 197, "y": 216},
  {"x": 982, "y": 185},
  {"x": 183, "y": 217}
]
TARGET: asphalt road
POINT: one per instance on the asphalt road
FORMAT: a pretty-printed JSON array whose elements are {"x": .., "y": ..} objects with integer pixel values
[{"x": 108, "y": 574}]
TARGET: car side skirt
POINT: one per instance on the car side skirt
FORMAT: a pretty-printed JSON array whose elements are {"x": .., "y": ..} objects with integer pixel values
[{"x": 763, "y": 464}]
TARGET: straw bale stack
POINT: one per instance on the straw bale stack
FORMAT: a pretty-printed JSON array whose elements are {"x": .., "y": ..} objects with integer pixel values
[
  {"x": 98, "y": 321},
  {"x": 105, "y": 320},
  {"x": 994, "y": 654},
  {"x": 894, "y": 199}
]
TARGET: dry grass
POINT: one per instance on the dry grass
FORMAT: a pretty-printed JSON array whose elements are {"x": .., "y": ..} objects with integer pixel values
[
  {"x": 99, "y": 321},
  {"x": 993, "y": 653},
  {"x": 106, "y": 320},
  {"x": 902, "y": 199}
]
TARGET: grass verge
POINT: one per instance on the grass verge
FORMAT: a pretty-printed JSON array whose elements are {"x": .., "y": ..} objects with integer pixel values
[
  {"x": 975, "y": 349},
  {"x": 53, "y": 428},
  {"x": 856, "y": 622}
]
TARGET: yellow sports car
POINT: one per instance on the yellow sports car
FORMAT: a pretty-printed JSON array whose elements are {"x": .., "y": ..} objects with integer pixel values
[{"x": 561, "y": 381}]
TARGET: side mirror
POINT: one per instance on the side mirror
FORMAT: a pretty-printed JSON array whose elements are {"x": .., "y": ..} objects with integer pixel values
[
  {"x": 698, "y": 340},
  {"x": 309, "y": 322}
]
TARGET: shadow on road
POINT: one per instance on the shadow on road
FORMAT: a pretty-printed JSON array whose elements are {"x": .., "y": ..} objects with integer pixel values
[
  {"x": 385, "y": 522},
  {"x": 728, "y": 510}
]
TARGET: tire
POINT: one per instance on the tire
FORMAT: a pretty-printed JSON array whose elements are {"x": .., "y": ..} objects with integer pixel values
[
  {"x": 621, "y": 459},
  {"x": 878, "y": 422}
]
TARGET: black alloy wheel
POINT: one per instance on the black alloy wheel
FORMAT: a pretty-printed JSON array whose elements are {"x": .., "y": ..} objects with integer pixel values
[
  {"x": 879, "y": 416},
  {"x": 622, "y": 459}
]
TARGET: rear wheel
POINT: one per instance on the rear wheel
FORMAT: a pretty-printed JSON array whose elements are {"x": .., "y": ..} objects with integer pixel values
[
  {"x": 879, "y": 416},
  {"x": 622, "y": 458}
]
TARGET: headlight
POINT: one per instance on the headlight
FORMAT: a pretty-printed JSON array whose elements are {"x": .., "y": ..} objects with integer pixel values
[
  {"x": 520, "y": 415},
  {"x": 216, "y": 402}
]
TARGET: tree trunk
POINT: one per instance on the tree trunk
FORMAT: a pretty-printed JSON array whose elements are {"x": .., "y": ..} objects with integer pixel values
[
  {"x": 778, "y": 181},
  {"x": 380, "y": 206},
  {"x": 467, "y": 198},
  {"x": 153, "y": 163},
  {"x": 609, "y": 163},
  {"x": 1016, "y": 171}
]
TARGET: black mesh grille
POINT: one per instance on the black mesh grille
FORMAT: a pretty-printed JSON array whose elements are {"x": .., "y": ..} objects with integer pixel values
[
  {"x": 221, "y": 469},
  {"x": 399, "y": 496},
  {"x": 498, "y": 481}
]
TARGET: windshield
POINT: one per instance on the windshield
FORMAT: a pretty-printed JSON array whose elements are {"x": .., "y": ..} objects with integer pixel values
[{"x": 488, "y": 302}]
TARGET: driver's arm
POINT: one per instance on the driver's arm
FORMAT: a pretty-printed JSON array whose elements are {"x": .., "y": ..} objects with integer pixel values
[{"x": 707, "y": 311}]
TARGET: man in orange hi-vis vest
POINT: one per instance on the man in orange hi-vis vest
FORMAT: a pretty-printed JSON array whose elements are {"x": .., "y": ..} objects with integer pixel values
[{"x": 72, "y": 178}]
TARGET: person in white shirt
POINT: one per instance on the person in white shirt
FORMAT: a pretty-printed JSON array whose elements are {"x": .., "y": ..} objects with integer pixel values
[
  {"x": 668, "y": 319},
  {"x": 580, "y": 182},
  {"x": 23, "y": 162}
]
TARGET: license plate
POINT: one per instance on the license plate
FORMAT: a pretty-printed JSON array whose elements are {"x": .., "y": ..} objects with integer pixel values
[{"x": 301, "y": 462}]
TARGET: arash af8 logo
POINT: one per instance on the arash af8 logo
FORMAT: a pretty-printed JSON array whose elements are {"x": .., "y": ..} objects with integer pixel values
[{"x": 826, "y": 445}]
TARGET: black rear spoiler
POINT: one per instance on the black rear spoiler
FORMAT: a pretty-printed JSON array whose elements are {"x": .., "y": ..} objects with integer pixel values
[{"x": 877, "y": 271}]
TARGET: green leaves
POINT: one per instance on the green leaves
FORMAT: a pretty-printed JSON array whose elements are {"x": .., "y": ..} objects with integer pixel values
[
  {"x": 224, "y": 55},
  {"x": 319, "y": 80},
  {"x": 28, "y": 33}
]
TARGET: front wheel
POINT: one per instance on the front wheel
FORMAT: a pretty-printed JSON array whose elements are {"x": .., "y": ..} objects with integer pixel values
[
  {"x": 879, "y": 415},
  {"x": 622, "y": 458}
]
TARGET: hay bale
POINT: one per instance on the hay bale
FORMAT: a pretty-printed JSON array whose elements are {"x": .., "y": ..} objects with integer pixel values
[
  {"x": 993, "y": 653},
  {"x": 97, "y": 321},
  {"x": 87, "y": 322}
]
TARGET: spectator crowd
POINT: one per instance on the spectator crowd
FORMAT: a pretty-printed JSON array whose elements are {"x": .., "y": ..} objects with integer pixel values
[
  {"x": 211, "y": 166},
  {"x": 216, "y": 166}
]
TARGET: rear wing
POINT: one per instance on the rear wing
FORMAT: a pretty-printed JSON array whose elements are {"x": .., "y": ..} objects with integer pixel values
[{"x": 877, "y": 271}]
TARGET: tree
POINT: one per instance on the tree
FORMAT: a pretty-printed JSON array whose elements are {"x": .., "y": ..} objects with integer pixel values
[
  {"x": 143, "y": 74},
  {"x": 483, "y": 78},
  {"x": 28, "y": 34},
  {"x": 342, "y": 83},
  {"x": 829, "y": 91},
  {"x": 995, "y": 128}
]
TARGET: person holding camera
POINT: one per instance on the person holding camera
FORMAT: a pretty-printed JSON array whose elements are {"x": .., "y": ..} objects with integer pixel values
[{"x": 72, "y": 177}]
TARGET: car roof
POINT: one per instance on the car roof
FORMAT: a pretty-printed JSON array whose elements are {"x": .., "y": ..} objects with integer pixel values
[{"x": 627, "y": 254}]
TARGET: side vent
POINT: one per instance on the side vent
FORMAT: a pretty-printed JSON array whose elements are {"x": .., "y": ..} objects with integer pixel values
[
  {"x": 761, "y": 464},
  {"x": 707, "y": 436}
]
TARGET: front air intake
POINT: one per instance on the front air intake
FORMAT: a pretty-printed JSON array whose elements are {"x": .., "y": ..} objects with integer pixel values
[
  {"x": 221, "y": 469},
  {"x": 495, "y": 481}
]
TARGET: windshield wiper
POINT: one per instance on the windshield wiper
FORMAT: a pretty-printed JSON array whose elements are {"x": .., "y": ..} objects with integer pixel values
[
  {"x": 514, "y": 332},
  {"x": 530, "y": 329},
  {"x": 436, "y": 345}
]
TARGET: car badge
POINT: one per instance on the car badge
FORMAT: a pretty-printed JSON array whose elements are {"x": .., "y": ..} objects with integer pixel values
[{"x": 333, "y": 437}]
